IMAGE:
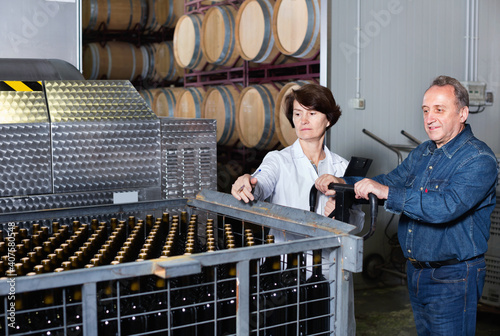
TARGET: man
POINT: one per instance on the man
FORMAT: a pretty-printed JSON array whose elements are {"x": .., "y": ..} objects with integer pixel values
[{"x": 445, "y": 193}]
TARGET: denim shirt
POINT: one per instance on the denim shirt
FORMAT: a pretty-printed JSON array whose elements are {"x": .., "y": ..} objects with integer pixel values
[{"x": 445, "y": 197}]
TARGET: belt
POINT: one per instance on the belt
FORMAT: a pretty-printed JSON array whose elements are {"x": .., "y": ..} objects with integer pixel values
[{"x": 437, "y": 264}]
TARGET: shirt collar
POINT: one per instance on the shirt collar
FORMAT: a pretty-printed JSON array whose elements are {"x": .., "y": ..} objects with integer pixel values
[
  {"x": 453, "y": 145},
  {"x": 298, "y": 153}
]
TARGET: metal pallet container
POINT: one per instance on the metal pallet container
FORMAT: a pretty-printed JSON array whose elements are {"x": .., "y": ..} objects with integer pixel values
[{"x": 342, "y": 254}]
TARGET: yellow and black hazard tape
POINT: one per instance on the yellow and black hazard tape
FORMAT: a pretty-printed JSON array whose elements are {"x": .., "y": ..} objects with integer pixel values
[{"x": 21, "y": 86}]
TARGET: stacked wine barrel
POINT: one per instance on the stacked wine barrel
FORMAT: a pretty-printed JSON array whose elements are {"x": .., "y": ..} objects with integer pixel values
[{"x": 224, "y": 35}]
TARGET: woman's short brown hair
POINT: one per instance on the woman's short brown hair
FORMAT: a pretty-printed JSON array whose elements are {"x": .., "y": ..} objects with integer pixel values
[{"x": 313, "y": 97}]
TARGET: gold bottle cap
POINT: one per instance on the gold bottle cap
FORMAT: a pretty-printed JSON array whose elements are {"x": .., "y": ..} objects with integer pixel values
[{"x": 66, "y": 265}]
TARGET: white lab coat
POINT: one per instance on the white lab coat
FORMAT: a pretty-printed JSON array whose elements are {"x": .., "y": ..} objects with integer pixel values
[{"x": 286, "y": 178}]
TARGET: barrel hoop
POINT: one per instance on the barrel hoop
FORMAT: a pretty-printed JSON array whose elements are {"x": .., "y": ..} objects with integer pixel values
[
  {"x": 151, "y": 60},
  {"x": 152, "y": 16},
  {"x": 227, "y": 132},
  {"x": 110, "y": 62},
  {"x": 145, "y": 62},
  {"x": 171, "y": 100},
  {"x": 148, "y": 60},
  {"x": 308, "y": 44},
  {"x": 133, "y": 61},
  {"x": 171, "y": 15},
  {"x": 197, "y": 47},
  {"x": 228, "y": 23},
  {"x": 109, "y": 13},
  {"x": 131, "y": 14},
  {"x": 264, "y": 52},
  {"x": 144, "y": 13},
  {"x": 94, "y": 10},
  {"x": 268, "y": 108},
  {"x": 171, "y": 70},
  {"x": 95, "y": 57},
  {"x": 148, "y": 98},
  {"x": 197, "y": 98}
]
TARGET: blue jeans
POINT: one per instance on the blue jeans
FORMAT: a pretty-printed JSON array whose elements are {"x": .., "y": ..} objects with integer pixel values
[{"x": 444, "y": 300}]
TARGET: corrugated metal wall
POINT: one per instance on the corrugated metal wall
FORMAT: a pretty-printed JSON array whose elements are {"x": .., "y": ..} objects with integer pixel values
[{"x": 404, "y": 45}]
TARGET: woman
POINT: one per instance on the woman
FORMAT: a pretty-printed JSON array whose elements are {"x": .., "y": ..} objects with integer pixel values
[{"x": 286, "y": 176}]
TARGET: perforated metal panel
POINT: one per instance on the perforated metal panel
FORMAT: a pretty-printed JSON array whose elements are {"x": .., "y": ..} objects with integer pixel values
[
  {"x": 104, "y": 136},
  {"x": 24, "y": 144},
  {"x": 189, "y": 156}
]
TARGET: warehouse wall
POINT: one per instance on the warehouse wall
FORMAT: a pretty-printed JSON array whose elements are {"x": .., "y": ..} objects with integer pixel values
[
  {"x": 41, "y": 29},
  {"x": 404, "y": 45}
]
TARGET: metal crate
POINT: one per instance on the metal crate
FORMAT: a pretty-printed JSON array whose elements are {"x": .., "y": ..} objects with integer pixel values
[{"x": 342, "y": 254}]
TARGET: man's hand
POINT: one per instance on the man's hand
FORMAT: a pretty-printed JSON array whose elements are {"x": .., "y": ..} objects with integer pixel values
[
  {"x": 324, "y": 180},
  {"x": 367, "y": 186}
]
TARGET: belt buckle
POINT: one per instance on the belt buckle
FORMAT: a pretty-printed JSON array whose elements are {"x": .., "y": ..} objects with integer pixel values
[{"x": 416, "y": 264}]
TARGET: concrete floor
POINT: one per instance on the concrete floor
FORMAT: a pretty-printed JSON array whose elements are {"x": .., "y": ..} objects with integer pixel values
[{"x": 382, "y": 307}]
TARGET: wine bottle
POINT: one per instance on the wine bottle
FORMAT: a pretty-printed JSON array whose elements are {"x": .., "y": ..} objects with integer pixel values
[
  {"x": 317, "y": 296},
  {"x": 293, "y": 279},
  {"x": 132, "y": 322},
  {"x": 107, "y": 308},
  {"x": 74, "y": 309},
  {"x": 24, "y": 322},
  {"x": 205, "y": 311},
  {"x": 227, "y": 296},
  {"x": 158, "y": 305},
  {"x": 273, "y": 295}
]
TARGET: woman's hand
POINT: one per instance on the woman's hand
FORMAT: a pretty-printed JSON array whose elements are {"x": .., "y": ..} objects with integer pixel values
[
  {"x": 329, "y": 206},
  {"x": 242, "y": 188},
  {"x": 324, "y": 180}
]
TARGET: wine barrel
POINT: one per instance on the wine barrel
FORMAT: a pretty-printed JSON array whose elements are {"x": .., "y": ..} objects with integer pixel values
[
  {"x": 255, "y": 116},
  {"x": 116, "y": 60},
  {"x": 218, "y": 40},
  {"x": 296, "y": 27},
  {"x": 166, "y": 101},
  {"x": 163, "y": 13},
  {"x": 148, "y": 96},
  {"x": 160, "y": 14},
  {"x": 187, "y": 42},
  {"x": 163, "y": 66},
  {"x": 284, "y": 130},
  {"x": 254, "y": 33},
  {"x": 190, "y": 103},
  {"x": 114, "y": 14},
  {"x": 220, "y": 104}
]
